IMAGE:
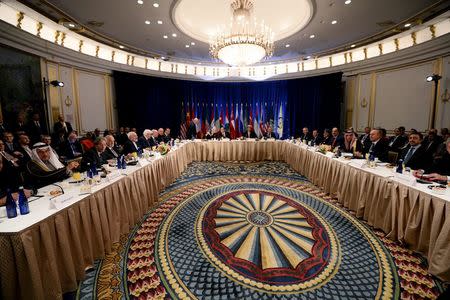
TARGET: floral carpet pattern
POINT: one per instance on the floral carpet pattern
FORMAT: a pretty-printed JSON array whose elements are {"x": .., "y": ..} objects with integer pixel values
[{"x": 255, "y": 231}]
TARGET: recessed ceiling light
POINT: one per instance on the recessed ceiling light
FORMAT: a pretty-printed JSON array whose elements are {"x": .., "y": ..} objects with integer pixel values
[
  {"x": 353, "y": 46},
  {"x": 308, "y": 57},
  {"x": 159, "y": 22},
  {"x": 147, "y": 22},
  {"x": 407, "y": 24},
  {"x": 334, "y": 22},
  {"x": 312, "y": 36},
  {"x": 71, "y": 25},
  {"x": 140, "y": 1},
  {"x": 174, "y": 34},
  {"x": 348, "y": 1},
  {"x": 192, "y": 43},
  {"x": 162, "y": 57},
  {"x": 165, "y": 36},
  {"x": 287, "y": 45},
  {"x": 121, "y": 47},
  {"x": 155, "y": 4},
  {"x": 187, "y": 46}
]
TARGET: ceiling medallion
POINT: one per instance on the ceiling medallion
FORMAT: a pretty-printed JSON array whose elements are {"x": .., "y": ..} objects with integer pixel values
[{"x": 245, "y": 41}]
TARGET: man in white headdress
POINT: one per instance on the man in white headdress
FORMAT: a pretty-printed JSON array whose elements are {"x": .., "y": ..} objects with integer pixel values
[{"x": 44, "y": 168}]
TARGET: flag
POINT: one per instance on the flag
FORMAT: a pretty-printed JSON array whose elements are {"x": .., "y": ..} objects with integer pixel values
[
  {"x": 207, "y": 118},
  {"x": 241, "y": 119},
  {"x": 256, "y": 121},
  {"x": 217, "y": 120},
  {"x": 280, "y": 121},
  {"x": 262, "y": 120},
  {"x": 198, "y": 116},
  {"x": 183, "y": 127},
  {"x": 204, "y": 119},
  {"x": 227, "y": 119},
  {"x": 232, "y": 124}
]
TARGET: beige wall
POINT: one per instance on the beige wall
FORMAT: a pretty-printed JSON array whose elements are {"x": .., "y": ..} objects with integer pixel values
[
  {"x": 399, "y": 96},
  {"x": 86, "y": 100}
]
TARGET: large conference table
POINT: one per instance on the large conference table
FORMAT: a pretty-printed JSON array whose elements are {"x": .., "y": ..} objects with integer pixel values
[{"x": 45, "y": 253}]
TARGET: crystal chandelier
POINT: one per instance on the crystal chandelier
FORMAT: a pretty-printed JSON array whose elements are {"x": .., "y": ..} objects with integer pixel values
[{"x": 245, "y": 41}]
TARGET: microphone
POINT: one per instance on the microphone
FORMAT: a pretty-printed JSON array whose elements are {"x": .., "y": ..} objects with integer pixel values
[{"x": 60, "y": 188}]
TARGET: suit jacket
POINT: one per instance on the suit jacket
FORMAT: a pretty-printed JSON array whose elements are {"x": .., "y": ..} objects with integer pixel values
[
  {"x": 144, "y": 143},
  {"x": 337, "y": 141},
  {"x": 108, "y": 154},
  {"x": 271, "y": 136},
  {"x": 379, "y": 150},
  {"x": 129, "y": 147},
  {"x": 167, "y": 138},
  {"x": 67, "y": 150},
  {"x": 35, "y": 131},
  {"x": 316, "y": 141},
  {"x": 251, "y": 136},
  {"x": 419, "y": 160},
  {"x": 3, "y": 129},
  {"x": 153, "y": 142},
  {"x": 59, "y": 126},
  {"x": 25, "y": 158},
  {"x": 396, "y": 143},
  {"x": 431, "y": 147},
  {"x": 306, "y": 137},
  {"x": 327, "y": 141},
  {"x": 90, "y": 158},
  {"x": 441, "y": 165},
  {"x": 218, "y": 135},
  {"x": 192, "y": 131},
  {"x": 14, "y": 147},
  {"x": 19, "y": 127},
  {"x": 365, "y": 141}
]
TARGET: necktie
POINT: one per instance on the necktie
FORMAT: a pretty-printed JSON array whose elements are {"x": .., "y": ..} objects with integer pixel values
[
  {"x": 393, "y": 141},
  {"x": 429, "y": 145},
  {"x": 371, "y": 147},
  {"x": 113, "y": 152},
  {"x": 408, "y": 155}
]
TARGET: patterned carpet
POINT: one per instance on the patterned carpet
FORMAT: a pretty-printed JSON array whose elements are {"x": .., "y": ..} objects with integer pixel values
[{"x": 255, "y": 231}]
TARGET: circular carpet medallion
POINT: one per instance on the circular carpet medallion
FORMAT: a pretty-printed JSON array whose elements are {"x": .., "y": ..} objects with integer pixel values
[{"x": 244, "y": 237}]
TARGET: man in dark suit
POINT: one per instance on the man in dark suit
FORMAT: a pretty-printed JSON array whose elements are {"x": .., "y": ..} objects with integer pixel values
[
  {"x": 440, "y": 168},
  {"x": 20, "y": 124},
  {"x": 316, "y": 140},
  {"x": 432, "y": 141},
  {"x": 305, "y": 136},
  {"x": 112, "y": 150},
  {"x": 222, "y": 134},
  {"x": 415, "y": 155},
  {"x": 269, "y": 134},
  {"x": 3, "y": 127},
  {"x": 10, "y": 145},
  {"x": 398, "y": 141},
  {"x": 379, "y": 146},
  {"x": 250, "y": 134},
  {"x": 35, "y": 129},
  {"x": 336, "y": 139},
  {"x": 161, "y": 137},
  {"x": 327, "y": 138},
  {"x": 71, "y": 148},
  {"x": 144, "y": 140},
  {"x": 24, "y": 149},
  {"x": 365, "y": 139},
  {"x": 192, "y": 130},
  {"x": 61, "y": 125},
  {"x": 94, "y": 155},
  {"x": 131, "y": 145},
  {"x": 167, "y": 136}
]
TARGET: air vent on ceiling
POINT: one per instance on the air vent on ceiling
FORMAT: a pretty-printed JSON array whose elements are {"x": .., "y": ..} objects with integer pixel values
[
  {"x": 95, "y": 23},
  {"x": 386, "y": 23}
]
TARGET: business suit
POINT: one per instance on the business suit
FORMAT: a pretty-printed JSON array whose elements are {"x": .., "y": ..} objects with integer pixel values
[
  {"x": 397, "y": 143},
  {"x": 70, "y": 150},
  {"x": 58, "y": 126},
  {"x": 90, "y": 158},
  {"x": 327, "y": 141},
  {"x": 250, "y": 135},
  {"x": 315, "y": 141},
  {"x": 192, "y": 131},
  {"x": 379, "y": 150},
  {"x": 336, "y": 141},
  {"x": 110, "y": 153},
  {"x": 440, "y": 165},
  {"x": 306, "y": 137},
  {"x": 219, "y": 135},
  {"x": 365, "y": 141},
  {"x": 419, "y": 159},
  {"x": 35, "y": 130},
  {"x": 144, "y": 143},
  {"x": 130, "y": 147},
  {"x": 270, "y": 135}
]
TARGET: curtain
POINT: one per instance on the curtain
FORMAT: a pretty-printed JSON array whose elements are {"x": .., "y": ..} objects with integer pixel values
[{"x": 285, "y": 105}]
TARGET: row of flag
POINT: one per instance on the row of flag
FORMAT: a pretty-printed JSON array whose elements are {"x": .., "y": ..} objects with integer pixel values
[{"x": 234, "y": 117}]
